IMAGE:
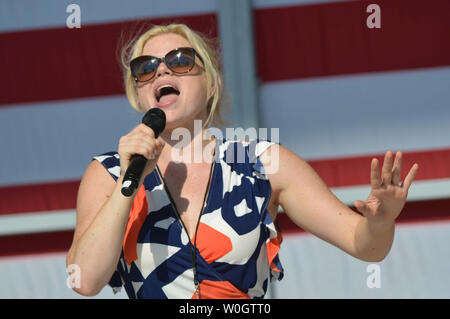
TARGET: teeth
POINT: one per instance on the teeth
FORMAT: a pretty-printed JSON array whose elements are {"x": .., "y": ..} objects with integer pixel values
[
  {"x": 158, "y": 90},
  {"x": 165, "y": 86}
]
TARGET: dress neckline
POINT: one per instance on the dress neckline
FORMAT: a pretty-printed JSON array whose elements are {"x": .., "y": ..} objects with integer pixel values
[
  {"x": 206, "y": 197},
  {"x": 193, "y": 247}
]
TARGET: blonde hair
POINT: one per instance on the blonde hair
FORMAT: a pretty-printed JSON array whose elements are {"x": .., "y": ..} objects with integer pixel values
[{"x": 204, "y": 47}]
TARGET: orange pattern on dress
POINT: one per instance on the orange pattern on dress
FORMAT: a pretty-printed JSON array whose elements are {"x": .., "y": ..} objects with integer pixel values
[
  {"x": 138, "y": 214},
  {"x": 273, "y": 247},
  {"x": 207, "y": 235}
]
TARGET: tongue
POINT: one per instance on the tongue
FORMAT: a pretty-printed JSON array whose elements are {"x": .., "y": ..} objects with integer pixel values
[{"x": 168, "y": 97}]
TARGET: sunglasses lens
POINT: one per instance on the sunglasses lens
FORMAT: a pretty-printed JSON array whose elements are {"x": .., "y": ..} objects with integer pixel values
[
  {"x": 144, "y": 67},
  {"x": 180, "y": 60}
]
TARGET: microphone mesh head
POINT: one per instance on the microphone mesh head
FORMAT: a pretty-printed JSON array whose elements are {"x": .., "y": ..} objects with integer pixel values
[{"x": 155, "y": 118}]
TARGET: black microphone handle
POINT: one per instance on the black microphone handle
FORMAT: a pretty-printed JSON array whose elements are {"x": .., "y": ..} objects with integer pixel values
[
  {"x": 133, "y": 174},
  {"x": 155, "y": 118}
]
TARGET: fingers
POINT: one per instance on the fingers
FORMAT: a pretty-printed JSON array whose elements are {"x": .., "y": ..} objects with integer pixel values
[
  {"x": 136, "y": 144},
  {"x": 159, "y": 145},
  {"x": 391, "y": 172},
  {"x": 144, "y": 129},
  {"x": 410, "y": 177},
  {"x": 386, "y": 171},
  {"x": 360, "y": 206},
  {"x": 157, "y": 148},
  {"x": 141, "y": 140},
  {"x": 375, "y": 179},
  {"x": 397, "y": 169}
]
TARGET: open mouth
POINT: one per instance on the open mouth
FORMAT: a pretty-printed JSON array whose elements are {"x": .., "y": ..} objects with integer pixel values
[{"x": 166, "y": 92}]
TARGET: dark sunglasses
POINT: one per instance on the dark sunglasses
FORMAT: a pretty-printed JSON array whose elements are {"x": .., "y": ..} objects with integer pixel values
[{"x": 180, "y": 60}]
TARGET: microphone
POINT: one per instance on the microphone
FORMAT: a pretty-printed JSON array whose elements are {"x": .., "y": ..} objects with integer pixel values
[{"x": 155, "y": 118}]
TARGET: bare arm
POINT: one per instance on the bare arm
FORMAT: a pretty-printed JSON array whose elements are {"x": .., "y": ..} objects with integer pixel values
[
  {"x": 309, "y": 203},
  {"x": 102, "y": 213},
  {"x": 385, "y": 202}
]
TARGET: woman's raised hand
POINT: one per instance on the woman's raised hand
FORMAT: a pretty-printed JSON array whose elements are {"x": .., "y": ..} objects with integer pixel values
[{"x": 388, "y": 194}]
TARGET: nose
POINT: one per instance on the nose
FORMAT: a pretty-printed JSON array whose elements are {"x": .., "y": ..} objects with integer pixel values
[{"x": 162, "y": 69}]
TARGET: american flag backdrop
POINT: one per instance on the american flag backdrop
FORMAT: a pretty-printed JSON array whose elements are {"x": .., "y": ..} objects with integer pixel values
[{"x": 339, "y": 92}]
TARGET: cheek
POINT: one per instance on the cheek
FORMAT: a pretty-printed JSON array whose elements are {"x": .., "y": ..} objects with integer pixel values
[
  {"x": 199, "y": 93},
  {"x": 143, "y": 98}
]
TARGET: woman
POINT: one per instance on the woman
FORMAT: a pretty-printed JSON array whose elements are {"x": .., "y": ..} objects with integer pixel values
[{"x": 205, "y": 229}]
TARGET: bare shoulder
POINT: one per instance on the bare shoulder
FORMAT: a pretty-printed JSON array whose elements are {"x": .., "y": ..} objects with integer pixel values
[
  {"x": 284, "y": 167},
  {"x": 295, "y": 183}
]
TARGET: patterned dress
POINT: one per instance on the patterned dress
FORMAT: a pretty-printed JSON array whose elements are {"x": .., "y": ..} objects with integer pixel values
[{"x": 235, "y": 253}]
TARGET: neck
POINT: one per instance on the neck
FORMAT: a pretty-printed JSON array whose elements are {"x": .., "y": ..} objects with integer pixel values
[{"x": 191, "y": 144}]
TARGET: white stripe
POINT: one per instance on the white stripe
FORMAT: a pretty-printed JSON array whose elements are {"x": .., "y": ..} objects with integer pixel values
[
  {"x": 360, "y": 114},
  {"x": 37, "y": 222},
  {"x": 25, "y": 14},
  {"x": 319, "y": 118},
  {"x": 51, "y": 141}
]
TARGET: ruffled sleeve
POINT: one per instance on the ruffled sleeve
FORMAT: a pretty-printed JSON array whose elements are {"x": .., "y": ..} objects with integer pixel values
[
  {"x": 111, "y": 162},
  {"x": 273, "y": 237}
]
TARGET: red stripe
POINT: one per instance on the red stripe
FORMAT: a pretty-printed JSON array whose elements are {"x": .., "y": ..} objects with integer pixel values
[
  {"x": 335, "y": 172},
  {"x": 38, "y": 198},
  {"x": 305, "y": 41},
  {"x": 11, "y": 245},
  {"x": 352, "y": 171},
  {"x": 420, "y": 211},
  {"x": 35, "y": 243},
  {"x": 333, "y": 38},
  {"x": 64, "y": 63}
]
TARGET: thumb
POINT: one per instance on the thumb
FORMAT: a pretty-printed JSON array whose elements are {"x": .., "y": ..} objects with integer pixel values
[
  {"x": 361, "y": 206},
  {"x": 153, "y": 159},
  {"x": 159, "y": 146}
]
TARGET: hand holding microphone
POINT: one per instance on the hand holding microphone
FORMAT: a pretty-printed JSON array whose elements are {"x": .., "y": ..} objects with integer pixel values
[{"x": 139, "y": 150}]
